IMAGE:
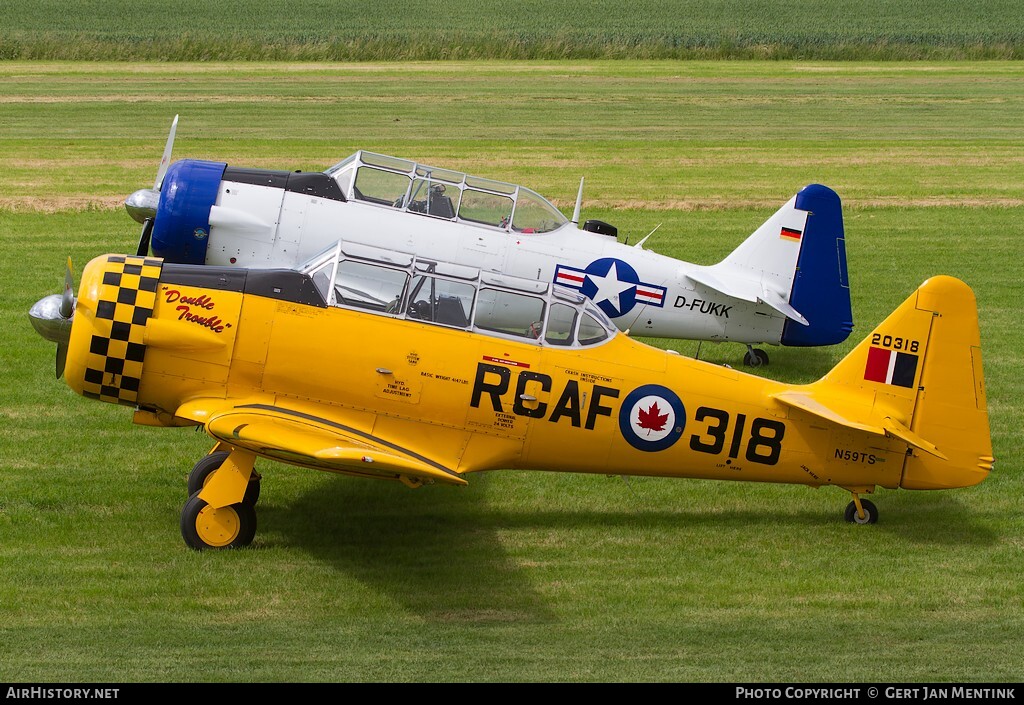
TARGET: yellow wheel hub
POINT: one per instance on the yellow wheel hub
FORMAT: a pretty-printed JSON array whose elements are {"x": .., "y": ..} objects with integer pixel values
[{"x": 217, "y": 527}]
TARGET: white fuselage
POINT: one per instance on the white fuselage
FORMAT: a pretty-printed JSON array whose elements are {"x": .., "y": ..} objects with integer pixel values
[{"x": 641, "y": 291}]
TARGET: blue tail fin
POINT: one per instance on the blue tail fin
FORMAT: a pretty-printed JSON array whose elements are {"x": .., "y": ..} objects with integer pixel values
[{"x": 821, "y": 288}]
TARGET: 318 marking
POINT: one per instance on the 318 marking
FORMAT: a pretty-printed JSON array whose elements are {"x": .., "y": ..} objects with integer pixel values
[{"x": 764, "y": 444}]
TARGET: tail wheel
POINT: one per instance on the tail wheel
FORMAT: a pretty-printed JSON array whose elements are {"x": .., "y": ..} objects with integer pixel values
[
  {"x": 204, "y": 527},
  {"x": 755, "y": 357},
  {"x": 870, "y": 512},
  {"x": 202, "y": 471}
]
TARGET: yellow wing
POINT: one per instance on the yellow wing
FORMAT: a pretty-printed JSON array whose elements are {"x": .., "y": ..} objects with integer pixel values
[{"x": 305, "y": 439}]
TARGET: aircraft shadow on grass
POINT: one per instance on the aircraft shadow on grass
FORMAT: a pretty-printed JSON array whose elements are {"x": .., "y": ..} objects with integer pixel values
[
  {"x": 435, "y": 551},
  {"x": 438, "y": 551}
]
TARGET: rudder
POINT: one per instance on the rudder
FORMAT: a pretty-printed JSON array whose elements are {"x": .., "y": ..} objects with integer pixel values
[{"x": 821, "y": 286}]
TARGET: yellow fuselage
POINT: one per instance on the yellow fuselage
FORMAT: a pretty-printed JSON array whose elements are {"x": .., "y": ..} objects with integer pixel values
[{"x": 465, "y": 400}]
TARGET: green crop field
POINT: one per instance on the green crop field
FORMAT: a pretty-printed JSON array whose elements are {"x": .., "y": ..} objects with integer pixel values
[
  {"x": 387, "y": 30},
  {"x": 520, "y": 576}
]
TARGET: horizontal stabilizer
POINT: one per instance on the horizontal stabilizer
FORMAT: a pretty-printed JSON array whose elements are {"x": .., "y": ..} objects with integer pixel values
[
  {"x": 734, "y": 289},
  {"x": 782, "y": 306},
  {"x": 888, "y": 426},
  {"x": 747, "y": 290},
  {"x": 807, "y": 402},
  {"x": 895, "y": 428}
]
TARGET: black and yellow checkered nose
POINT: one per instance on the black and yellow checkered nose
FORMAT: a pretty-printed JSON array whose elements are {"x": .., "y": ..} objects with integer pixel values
[{"x": 126, "y": 299}]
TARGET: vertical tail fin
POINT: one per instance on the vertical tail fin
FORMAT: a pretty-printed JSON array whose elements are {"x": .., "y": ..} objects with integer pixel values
[
  {"x": 920, "y": 370},
  {"x": 798, "y": 256}
]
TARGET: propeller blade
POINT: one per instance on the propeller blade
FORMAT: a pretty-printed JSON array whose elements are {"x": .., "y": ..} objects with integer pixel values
[
  {"x": 62, "y": 358},
  {"x": 53, "y": 316},
  {"x": 147, "y": 233},
  {"x": 165, "y": 161},
  {"x": 46, "y": 319},
  {"x": 67, "y": 299}
]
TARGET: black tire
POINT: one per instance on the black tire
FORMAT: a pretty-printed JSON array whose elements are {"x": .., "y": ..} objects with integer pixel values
[
  {"x": 252, "y": 491},
  {"x": 758, "y": 358},
  {"x": 228, "y": 527},
  {"x": 202, "y": 470},
  {"x": 870, "y": 512}
]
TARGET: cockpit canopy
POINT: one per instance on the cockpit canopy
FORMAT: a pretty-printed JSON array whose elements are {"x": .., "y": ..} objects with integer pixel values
[
  {"x": 442, "y": 193},
  {"x": 400, "y": 285}
]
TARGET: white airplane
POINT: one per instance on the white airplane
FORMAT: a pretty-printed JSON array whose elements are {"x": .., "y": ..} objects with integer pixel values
[{"x": 786, "y": 284}]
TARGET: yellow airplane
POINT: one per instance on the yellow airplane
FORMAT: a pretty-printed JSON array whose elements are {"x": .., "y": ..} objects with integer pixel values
[{"x": 380, "y": 365}]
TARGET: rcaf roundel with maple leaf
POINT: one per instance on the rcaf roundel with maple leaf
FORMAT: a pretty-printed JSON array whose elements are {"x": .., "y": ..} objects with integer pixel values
[{"x": 652, "y": 417}]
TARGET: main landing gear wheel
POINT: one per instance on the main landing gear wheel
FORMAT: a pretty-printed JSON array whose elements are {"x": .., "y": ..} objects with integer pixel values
[
  {"x": 870, "y": 512},
  {"x": 755, "y": 358},
  {"x": 202, "y": 471},
  {"x": 204, "y": 527}
]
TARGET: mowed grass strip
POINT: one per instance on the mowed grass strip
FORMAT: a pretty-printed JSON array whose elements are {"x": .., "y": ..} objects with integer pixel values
[
  {"x": 664, "y": 136},
  {"x": 520, "y": 576}
]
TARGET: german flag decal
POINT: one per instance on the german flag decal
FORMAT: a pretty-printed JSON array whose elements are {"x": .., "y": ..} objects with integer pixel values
[
  {"x": 790, "y": 234},
  {"x": 891, "y": 367}
]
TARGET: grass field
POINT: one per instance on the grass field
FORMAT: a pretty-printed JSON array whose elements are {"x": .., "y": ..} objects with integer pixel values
[
  {"x": 519, "y": 577},
  {"x": 390, "y": 30}
]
